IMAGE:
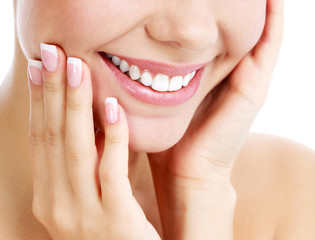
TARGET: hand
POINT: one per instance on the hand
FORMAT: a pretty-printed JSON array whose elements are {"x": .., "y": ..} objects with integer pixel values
[
  {"x": 192, "y": 179},
  {"x": 77, "y": 194}
]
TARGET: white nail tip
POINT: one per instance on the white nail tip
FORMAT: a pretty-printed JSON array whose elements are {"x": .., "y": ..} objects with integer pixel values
[
  {"x": 34, "y": 63},
  {"x": 111, "y": 100},
  {"x": 75, "y": 61},
  {"x": 50, "y": 48}
]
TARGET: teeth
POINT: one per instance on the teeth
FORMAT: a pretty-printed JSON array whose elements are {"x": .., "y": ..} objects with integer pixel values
[
  {"x": 134, "y": 72},
  {"x": 146, "y": 78},
  {"x": 188, "y": 77},
  {"x": 176, "y": 83},
  {"x": 124, "y": 66},
  {"x": 116, "y": 60},
  {"x": 192, "y": 75},
  {"x": 160, "y": 82}
]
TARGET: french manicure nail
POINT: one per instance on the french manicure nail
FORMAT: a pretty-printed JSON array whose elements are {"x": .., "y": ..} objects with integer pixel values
[
  {"x": 74, "y": 71},
  {"x": 111, "y": 108},
  {"x": 49, "y": 57},
  {"x": 35, "y": 69}
]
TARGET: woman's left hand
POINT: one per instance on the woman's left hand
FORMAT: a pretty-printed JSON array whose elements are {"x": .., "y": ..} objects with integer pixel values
[{"x": 192, "y": 179}]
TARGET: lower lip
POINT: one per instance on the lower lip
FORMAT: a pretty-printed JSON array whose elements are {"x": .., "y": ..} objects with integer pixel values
[{"x": 148, "y": 95}]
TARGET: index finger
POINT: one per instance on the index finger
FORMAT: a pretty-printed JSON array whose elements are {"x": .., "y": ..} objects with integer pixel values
[{"x": 267, "y": 49}]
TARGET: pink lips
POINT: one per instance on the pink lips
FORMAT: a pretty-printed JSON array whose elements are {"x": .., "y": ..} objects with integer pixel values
[{"x": 147, "y": 94}]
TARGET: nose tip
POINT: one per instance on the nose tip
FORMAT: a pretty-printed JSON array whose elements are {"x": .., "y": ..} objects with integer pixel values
[{"x": 185, "y": 28}]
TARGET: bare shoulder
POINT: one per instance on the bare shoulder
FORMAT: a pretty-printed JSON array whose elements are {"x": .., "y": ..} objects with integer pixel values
[{"x": 274, "y": 179}]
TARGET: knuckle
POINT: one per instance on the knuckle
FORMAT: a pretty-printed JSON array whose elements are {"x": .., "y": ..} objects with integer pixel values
[
  {"x": 60, "y": 222},
  {"x": 86, "y": 226},
  {"x": 74, "y": 104},
  {"x": 73, "y": 153},
  {"x": 110, "y": 175},
  {"x": 37, "y": 98},
  {"x": 36, "y": 137},
  {"x": 246, "y": 98},
  {"x": 54, "y": 136},
  {"x": 52, "y": 86},
  {"x": 113, "y": 139},
  {"x": 253, "y": 92}
]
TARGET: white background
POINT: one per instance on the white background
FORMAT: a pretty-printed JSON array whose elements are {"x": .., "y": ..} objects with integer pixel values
[{"x": 290, "y": 108}]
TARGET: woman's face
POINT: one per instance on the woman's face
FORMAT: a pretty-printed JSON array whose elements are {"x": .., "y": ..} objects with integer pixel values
[{"x": 170, "y": 37}]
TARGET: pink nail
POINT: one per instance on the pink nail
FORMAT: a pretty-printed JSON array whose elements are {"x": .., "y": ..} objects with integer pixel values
[
  {"x": 74, "y": 72},
  {"x": 49, "y": 57},
  {"x": 111, "y": 108},
  {"x": 35, "y": 69}
]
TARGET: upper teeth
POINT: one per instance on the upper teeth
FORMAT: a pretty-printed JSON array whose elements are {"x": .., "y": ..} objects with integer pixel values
[{"x": 160, "y": 82}]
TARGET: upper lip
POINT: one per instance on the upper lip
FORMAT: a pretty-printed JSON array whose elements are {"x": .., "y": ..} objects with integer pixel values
[{"x": 164, "y": 68}]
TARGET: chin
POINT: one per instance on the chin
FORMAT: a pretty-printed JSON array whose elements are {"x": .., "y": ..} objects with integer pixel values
[
  {"x": 154, "y": 135},
  {"x": 139, "y": 142}
]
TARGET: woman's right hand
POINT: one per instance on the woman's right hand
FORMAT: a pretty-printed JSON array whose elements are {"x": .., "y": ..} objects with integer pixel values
[{"x": 78, "y": 194}]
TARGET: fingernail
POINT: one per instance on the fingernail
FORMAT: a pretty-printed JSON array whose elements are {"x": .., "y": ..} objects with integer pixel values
[
  {"x": 49, "y": 57},
  {"x": 74, "y": 71},
  {"x": 35, "y": 69},
  {"x": 111, "y": 109}
]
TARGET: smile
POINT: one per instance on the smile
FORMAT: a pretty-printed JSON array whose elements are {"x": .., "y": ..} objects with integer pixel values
[
  {"x": 158, "y": 81},
  {"x": 155, "y": 83}
]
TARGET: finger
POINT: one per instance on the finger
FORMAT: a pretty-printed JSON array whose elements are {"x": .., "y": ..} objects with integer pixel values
[
  {"x": 242, "y": 95},
  {"x": 54, "y": 77},
  {"x": 267, "y": 49},
  {"x": 113, "y": 169},
  {"x": 224, "y": 130},
  {"x": 81, "y": 153},
  {"x": 37, "y": 128}
]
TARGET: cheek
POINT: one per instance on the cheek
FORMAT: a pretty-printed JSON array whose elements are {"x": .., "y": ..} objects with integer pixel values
[
  {"x": 62, "y": 22},
  {"x": 242, "y": 26},
  {"x": 79, "y": 26}
]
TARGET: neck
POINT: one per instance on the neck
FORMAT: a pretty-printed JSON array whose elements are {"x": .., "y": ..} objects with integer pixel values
[
  {"x": 14, "y": 113},
  {"x": 15, "y": 168}
]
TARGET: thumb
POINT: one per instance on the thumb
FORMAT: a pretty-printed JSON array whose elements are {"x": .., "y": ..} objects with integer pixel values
[{"x": 113, "y": 170}]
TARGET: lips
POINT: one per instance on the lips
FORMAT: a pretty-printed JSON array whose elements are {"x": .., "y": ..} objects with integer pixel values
[{"x": 168, "y": 95}]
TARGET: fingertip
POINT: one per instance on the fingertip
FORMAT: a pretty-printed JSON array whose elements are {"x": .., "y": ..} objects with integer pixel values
[
  {"x": 114, "y": 112},
  {"x": 53, "y": 58},
  {"x": 74, "y": 72},
  {"x": 34, "y": 72},
  {"x": 85, "y": 70},
  {"x": 86, "y": 76},
  {"x": 116, "y": 126},
  {"x": 111, "y": 110},
  {"x": 114, "y": 161}
]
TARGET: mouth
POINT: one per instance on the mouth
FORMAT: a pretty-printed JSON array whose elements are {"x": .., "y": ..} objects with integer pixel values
[{"x": 155, "y": 83}]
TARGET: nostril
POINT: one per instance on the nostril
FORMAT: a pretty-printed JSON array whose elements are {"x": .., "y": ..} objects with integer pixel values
[{"x": 188, "y": 30}]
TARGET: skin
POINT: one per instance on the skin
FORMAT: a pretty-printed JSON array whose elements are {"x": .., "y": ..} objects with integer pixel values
[
  {"x": 204, "y": 45},
  {"x": 180, "y": 166}
]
